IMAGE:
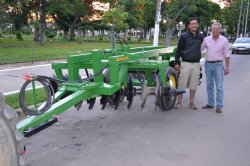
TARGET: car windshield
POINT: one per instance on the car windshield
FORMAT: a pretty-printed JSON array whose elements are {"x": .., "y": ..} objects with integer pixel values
[{"x": 242, "y": 40}]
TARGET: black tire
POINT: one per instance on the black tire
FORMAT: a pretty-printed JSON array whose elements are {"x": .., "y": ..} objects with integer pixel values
[
  {"x": 233, "y": 52},
  {"x": 167, "y": 97},
  {"x": 10, "y": 138}
]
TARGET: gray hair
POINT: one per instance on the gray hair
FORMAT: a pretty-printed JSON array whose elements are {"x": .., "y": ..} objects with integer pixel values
[{"x": 216, "y": 23}]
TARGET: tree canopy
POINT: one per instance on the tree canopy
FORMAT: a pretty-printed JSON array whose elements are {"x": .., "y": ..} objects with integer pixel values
[{"x": 69, "y": 15}]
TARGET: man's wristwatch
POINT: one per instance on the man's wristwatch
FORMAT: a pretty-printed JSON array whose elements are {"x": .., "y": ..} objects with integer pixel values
[{"x": 226, "y": 67}]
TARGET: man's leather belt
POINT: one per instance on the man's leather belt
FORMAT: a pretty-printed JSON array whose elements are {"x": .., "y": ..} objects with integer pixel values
[{"x": 213, "y": 61}]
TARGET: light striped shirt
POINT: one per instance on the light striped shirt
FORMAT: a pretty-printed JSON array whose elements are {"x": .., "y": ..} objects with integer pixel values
[{"x": 216, "y": 50}]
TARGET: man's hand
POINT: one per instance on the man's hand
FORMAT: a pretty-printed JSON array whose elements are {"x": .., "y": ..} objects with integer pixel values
[
  {"x": 226, "y": 71},
  {"x": 177, "y": 67}
]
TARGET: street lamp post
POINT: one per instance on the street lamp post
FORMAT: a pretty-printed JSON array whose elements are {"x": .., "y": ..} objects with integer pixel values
[
  {"x": 246, "y": 19},
  {"x": 157, "y": 23},
  {"x": 238, "y": 27}
]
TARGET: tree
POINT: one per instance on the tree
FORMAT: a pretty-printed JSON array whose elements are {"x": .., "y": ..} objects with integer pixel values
[
  {"x": 205, "y": 10},
  {"x": 173, "y": 12},
  {"x": 42, "y": 22},
  {"x": 135, "y": 13},
  {"x": 68, "y": 14},
  {"x": 116, "y": 17},
  {"x": 148, "y": 15},
  {"x": 4, "y": 17},
  {"x": 24, "y": 12},
  {"x": 231, "y": 17},
  {"x": 18, "y": 11},
  {"x": 112, "y": 3},
  {"x": 33, "y": 16},
  {"x": 99, "y": 25}
]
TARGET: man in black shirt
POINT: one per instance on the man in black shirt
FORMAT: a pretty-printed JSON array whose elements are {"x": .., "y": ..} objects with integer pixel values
[{"x": 188, "y": 50}]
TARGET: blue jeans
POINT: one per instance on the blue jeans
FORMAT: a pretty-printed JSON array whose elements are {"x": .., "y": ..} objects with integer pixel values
[{"x": 215, "y": 74}]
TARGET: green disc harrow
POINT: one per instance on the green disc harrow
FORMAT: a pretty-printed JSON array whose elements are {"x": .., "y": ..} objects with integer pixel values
[{"x": 112, "y": 75}]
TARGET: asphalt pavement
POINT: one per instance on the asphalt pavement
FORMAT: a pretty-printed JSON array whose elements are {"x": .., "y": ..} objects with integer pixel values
[
  {"x": 12, "y": 75},
  {"x": 151, "y": 137}
]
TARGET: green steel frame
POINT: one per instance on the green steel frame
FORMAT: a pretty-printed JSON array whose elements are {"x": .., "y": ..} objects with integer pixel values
[{"x": 119, "y": 62}]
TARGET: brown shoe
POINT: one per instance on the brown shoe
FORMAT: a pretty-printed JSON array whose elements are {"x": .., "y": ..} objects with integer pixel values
[
  {"x": 178, "y": 106},
  {"x": 192, "y": 106}
]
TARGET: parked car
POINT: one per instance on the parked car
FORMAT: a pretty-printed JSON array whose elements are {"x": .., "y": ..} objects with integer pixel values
[{"x": 241, "y": 45}]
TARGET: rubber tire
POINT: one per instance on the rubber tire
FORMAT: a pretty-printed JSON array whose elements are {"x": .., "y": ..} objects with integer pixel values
[
  {"x": 163, "y": 101},
  {"x": 10, "y": 137}
]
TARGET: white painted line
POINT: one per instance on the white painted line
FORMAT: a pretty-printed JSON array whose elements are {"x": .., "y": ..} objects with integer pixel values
[
  {"x": 11, "y": 93},
  {"x": 26, "y": 67},
  {"x": 17, "y": 91}
]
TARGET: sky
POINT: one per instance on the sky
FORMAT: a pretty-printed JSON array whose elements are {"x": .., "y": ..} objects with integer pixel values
[{"x": 222, "y": 5}]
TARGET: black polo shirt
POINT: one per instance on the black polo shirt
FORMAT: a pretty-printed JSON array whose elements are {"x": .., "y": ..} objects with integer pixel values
[{"x": 188, "y": 48}]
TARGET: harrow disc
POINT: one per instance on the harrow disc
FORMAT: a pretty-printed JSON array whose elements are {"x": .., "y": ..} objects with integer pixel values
[
  {"x": 117, "y": 98},
  {"x": 129, "y": 91},
  {"x": 114, "y": 99},
  {"x": 158, "y": 102},
  {"x": 104, "y": 101},
  {"x": 91, "y": 103},
  {"x": 144, "y": 94}
]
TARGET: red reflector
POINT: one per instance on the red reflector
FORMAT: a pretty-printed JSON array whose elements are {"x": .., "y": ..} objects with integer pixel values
[
  {"x": 27, "y": 78},
  {"x": 21, "y": 152}
]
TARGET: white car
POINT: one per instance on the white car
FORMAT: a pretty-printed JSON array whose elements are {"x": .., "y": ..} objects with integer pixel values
[{"x": 241, "y": 45}]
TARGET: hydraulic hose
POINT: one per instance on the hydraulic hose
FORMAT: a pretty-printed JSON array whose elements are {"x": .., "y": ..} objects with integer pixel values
[{"x": 47, "y": 84}]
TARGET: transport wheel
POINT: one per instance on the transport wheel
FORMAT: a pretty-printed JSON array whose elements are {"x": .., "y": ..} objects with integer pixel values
[
  {"x": 11, "y": 145},
  {"x": 167, "y": 95}
]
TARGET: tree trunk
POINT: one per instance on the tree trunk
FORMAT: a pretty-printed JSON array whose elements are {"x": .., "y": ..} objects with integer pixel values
[
  {"x": 36, "y": 34},
  {"x": 145, "y": 31},
  {"x": 168, "y": 36},
  {"x": 66, "y": 34},
  {"x": 1, "y": 31},
  {"x": 71, "y": 35},
  {"x": 170, "y": 23},
  {"x": 42, "y": 23},
  {"x": 124, "y": 34},
  {"x": 142, "y": 34}
]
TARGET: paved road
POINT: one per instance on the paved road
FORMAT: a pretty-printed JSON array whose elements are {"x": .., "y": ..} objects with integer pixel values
[
  {"x": 150, "y": 137},
  {"x": 12, "y": 76}
]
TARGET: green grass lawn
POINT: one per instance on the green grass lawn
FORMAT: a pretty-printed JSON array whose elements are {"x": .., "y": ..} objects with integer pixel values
[
  {"x": 13, "y": 100},
  {"x": 14, "y": 51}
]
